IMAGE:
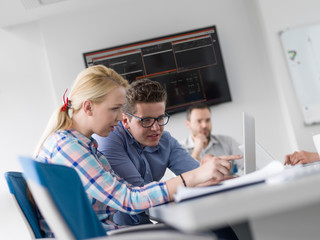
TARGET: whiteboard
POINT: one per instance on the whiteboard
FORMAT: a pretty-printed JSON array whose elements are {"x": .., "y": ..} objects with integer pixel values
[{"x": 302, "y": 51}]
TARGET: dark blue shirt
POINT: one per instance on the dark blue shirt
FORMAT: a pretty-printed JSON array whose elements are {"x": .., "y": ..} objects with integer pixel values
[{"x": 141, "y": 165}]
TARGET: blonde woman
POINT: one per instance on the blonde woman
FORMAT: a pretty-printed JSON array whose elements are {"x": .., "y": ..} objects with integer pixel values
[{"x": 94, "y": 106}]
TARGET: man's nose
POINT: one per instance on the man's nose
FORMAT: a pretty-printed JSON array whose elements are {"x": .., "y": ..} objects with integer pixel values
[
  {"x": 203, "y": 124},
  {"x": 155, "y": 126}
]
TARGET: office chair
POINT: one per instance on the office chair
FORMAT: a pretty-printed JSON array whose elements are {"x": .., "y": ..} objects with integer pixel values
[
  {"x": 18, "y": 189},
  {"x": 60, "y": 195}
]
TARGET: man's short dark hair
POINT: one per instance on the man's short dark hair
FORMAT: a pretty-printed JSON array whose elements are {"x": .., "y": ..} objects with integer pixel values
[
  {"x": 199, "y": 105},
  {"x": 143, "y": 91}
]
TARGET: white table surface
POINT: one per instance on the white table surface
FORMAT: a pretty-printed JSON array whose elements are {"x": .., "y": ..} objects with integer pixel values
[{"x": 255, "y": 203}]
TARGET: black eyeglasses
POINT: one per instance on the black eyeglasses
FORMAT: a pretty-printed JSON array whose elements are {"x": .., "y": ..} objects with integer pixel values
[{"x": 148, "y": 122}]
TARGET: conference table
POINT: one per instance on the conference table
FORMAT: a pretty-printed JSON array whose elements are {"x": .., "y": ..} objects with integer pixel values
[{"x": 282, "y": 210}]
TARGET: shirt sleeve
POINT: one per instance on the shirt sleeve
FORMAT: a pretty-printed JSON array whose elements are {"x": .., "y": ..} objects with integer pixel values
[
  {"x": 186, "y": 145},
  {"x": 101, "y": 183},
  {"x": 114, "y": 149},
  {"x": 180, "y": 160},
  {"x": 234, "y": 146}
]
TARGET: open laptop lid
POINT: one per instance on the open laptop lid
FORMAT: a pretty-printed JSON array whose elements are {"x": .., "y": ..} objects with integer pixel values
[{"x": 249, "y": 143}]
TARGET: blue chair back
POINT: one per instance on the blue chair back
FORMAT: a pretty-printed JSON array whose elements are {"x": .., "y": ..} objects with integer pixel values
[
  {"x": 65, "y": 188},
  {"x": 19, "y": 189}
]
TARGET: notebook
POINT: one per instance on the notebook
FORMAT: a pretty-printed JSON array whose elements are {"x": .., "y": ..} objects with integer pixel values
[{"x": 258, "y": 177}]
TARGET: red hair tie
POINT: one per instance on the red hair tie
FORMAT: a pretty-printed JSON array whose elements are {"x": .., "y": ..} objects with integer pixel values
[{"x": 65, "y": 102}]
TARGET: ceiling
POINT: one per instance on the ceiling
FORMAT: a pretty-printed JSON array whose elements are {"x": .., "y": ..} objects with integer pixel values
[{"x": 14, "y": 12}]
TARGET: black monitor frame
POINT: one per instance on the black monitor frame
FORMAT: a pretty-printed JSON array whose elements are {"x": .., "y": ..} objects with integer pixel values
[{"x": 188, "y": 64}]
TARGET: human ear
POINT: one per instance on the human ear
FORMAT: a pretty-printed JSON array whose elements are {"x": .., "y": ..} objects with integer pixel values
[
  {"x": 125, "y": 121},
  {"x": 187, "y": 123},
  {"x": 87, "y": 107}
]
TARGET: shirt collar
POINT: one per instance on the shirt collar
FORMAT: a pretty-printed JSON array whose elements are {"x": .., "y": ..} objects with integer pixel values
[
  {"x": 213, "y": 140},
  {"x": 91, "y": 142},
  {"x": 131, "y": 138}
]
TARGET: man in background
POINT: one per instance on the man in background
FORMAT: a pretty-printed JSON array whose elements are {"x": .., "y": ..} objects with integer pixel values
[{"x": 201, "y": 141}]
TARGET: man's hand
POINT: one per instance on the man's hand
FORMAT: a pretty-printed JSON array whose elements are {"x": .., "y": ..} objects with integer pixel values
[{"x": 200, "y": 142}]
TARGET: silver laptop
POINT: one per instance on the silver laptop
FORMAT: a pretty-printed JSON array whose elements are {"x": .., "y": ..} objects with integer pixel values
[{"x": 249, "y": 143}]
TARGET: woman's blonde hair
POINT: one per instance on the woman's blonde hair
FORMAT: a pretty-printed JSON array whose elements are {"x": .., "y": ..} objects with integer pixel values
[{"x": 93, "y": 84}]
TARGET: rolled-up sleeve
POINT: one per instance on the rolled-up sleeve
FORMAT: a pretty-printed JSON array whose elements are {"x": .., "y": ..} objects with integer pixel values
[
  {"x": 102, "y": 184},
  {"x": 180, "y": 160}
]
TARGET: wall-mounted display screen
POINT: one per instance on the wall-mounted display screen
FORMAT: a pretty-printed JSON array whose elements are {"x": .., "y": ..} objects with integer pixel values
[{"x": 189, "y": 65}]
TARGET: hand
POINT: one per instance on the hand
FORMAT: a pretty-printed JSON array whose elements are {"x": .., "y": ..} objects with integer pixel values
[
  {"x": 215, "y": 169},
  {"x": 214, "y": 181},
  {"x": 210, "y": 157},
  {"x": 212, "y": 171},
  {"x": 301, "y": 157},
  {"x": 200, "y": 141}
]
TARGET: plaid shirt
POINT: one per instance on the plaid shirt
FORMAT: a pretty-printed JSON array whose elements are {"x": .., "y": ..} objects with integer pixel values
[{"x": 106, "y": 190}]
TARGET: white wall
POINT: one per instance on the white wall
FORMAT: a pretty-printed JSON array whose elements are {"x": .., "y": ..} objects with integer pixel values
[
  {"x": 68, "y": 36},
  {"x": 40, "y": 60},
  {"x": 26, "y": 101},
  {"x": 278, "y": 16}
]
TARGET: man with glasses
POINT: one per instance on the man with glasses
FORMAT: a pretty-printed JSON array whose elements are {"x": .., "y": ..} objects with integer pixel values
[{"x": 139, "y": 150}]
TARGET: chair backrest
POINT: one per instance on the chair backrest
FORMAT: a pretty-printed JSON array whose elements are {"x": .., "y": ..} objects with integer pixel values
[
  {"x": 60, "y": 195},
  {"x": 19, "y": 191}
]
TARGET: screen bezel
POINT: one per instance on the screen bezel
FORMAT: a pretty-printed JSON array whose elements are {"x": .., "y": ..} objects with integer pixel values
[{"x": 223, "y": 82}]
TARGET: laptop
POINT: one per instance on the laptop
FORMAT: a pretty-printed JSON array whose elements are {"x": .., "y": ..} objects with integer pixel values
[
  {"x": 251, "y": 149},
  {"x": 249, "y": 143}
]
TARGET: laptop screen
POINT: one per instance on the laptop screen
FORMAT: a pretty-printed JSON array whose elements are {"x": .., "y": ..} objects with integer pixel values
[{"x": 249, "y": 143}]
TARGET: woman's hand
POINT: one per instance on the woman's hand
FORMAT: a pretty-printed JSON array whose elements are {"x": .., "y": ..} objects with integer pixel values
[
  {"x": 301, "y": 157},
  {"x": 215, "y": 169},
  {"x": 212, "y": 170}
]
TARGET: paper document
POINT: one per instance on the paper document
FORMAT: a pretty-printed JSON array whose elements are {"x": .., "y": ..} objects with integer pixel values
[
  {"x": 296, "y": 172},
  {"x": 259, "y": 176}
]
